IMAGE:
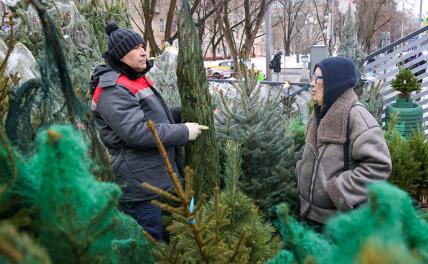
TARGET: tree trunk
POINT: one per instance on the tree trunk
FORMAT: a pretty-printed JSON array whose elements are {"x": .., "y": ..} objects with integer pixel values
[
  {"x": 202, "y": 154},
  {"x": 149, "y": 11}
]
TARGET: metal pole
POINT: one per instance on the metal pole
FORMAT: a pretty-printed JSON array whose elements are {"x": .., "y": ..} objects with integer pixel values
[
  {"x": 420, "y": 14},
  {"x": 268, "y": 39},
  {"x": 402, "y": 21}
]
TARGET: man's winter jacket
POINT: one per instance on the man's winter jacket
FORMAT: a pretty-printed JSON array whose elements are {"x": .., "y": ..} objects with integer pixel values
[{"x": 121, "y": 108}]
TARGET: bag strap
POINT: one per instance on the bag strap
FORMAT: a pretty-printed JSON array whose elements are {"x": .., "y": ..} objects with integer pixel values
[{"x": 348, "y": 139}]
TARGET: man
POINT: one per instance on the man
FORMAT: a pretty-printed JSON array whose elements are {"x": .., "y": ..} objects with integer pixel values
[
  {"x": 345, "y": 148},
  {"x": 276, "y": 65},
  {"x": 124, "y": 99}
]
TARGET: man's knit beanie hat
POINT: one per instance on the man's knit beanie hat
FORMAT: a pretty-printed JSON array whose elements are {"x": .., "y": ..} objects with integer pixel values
[{"x": 121, "y": 41}]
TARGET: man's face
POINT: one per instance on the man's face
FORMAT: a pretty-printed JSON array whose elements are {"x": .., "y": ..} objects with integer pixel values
[
  {"x": 136, "y": 58},
  {"x": 317, "y": 84}
]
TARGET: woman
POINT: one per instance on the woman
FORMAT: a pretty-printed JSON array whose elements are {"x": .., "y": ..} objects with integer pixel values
[{"x": 345, "y": 148}]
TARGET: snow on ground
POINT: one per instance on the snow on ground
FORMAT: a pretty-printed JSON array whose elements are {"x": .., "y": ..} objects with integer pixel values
[{"x": 260, "y": 62}]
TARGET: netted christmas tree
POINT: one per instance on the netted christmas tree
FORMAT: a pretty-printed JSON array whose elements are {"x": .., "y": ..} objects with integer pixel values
[
  {"x": 387, "y": 230},
  {"x": 164, "y": 76},
  {"x": 81, "y": 48},
  {"x": 227, "y": 229},
  {"x": 196, "y": 104},
  {"x": 52, "y": 99},
  {"x": 76, "y": 216},
  {"x": 19, "y": 248},
  {"x": 99, "y": 13},
  {"x": 268, "y": 151}
]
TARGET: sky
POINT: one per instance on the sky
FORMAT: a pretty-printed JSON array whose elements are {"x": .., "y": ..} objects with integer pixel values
[{"x": 414, "y": 6}]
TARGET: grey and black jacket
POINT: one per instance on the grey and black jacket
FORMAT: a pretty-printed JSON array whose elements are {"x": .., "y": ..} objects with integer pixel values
[{"x": 121, "y": 108}]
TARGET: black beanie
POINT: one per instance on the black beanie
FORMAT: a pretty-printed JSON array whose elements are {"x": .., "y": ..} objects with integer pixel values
[
  {"x": 121, "y": 41},
  {"x": 339, "y": 74}
]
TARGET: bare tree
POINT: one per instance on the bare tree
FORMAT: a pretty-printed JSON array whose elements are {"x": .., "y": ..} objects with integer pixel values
[
  {"x": 321, "y": 10},
  {"x": 373, "y": 15},
  {"x": 229, "y": 12},
  {"x": 291, "y": 9}
]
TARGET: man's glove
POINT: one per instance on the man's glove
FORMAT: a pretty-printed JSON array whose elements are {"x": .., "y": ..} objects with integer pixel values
[{"x": 195, "y": 129}]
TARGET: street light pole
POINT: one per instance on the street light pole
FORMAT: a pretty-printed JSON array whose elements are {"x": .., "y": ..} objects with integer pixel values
[
  {"x": 420, "y": 13},
  {"x": 268, "y": 22}
]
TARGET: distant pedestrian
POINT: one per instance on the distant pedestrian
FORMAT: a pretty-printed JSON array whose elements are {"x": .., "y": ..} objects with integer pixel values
[{"x": 275, "y": 65}]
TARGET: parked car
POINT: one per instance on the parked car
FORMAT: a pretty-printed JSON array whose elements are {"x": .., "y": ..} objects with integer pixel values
[
  {"x": 225, "y": 70},
  {"x": 231, "y": 65},
  {"x": 219, "y": 72}
]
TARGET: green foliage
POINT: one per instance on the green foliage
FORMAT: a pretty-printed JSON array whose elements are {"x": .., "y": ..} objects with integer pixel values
[
  {"x": 74, "y": 212},
  {"x": 129, "y": 244},
  {"x": 387, "y": 230},
  {"x": 19, "y": 248},
  {"x": 409, "y": 160},
  {"x": 18, "y": 185},
  {"x": 301, "y": 243},
  {"x": 99, "y": 13},
  {"x": 298, "y": 129},
  {"x": 268, "y": 151},
  {"x": 196, "y": 104},
  {"x": 227, "y": 229},
  {"x": 164, "y": 76},
  {"x": 372, "y": 99},
  {"x": 244, "y": 216},
  {"x": 405, "y": 82}
]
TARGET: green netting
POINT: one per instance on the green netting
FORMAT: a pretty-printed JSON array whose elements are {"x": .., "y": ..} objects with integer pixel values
[
  {"x": 76, "y": 216},
  {"x": 387, "y": 230},
  {"x": 300, "y": 242},
  {"x": 74, "y": 212},
  {"x": 129, "y": 244},
  {"x": 19, "y": 183},
  {"x": 19, "y": 248}
]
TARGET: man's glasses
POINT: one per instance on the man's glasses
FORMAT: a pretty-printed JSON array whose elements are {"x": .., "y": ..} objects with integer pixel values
[{"x": 315, "y": 78}]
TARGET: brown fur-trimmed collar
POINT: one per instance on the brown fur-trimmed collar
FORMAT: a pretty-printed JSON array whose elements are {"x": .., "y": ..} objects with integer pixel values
[{"x": 332, "y": 127}]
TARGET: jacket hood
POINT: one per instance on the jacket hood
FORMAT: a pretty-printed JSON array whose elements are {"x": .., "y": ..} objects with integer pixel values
[{"x": 339, "y": 74}]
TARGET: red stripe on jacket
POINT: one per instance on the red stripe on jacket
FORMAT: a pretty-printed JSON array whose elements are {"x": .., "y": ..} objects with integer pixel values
[{"x": 132, "y": 85}]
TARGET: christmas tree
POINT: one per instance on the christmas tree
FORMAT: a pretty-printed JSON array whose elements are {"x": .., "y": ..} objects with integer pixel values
[
  {"x": 227, "y": 229},
  {"x": 268, "y": 151},
  {"x": 196, "y": 104}
]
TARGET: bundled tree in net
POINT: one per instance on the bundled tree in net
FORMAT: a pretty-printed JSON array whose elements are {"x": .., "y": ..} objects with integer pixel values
[
  {"x": 268, "y": 150},
  {"x": 76, "y": 216},
  {"x": 164, "y": 76},
  {"x": 196, "y": 104},
  {"x": 99, "y": 13},
  {"x": 52, "y": 99},
  {"x": 19, "y": 248},
  {"x": 387, "y": 230}
]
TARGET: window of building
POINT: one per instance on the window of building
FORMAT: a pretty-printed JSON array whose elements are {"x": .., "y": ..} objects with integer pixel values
[{"x": 162, "y": 25}]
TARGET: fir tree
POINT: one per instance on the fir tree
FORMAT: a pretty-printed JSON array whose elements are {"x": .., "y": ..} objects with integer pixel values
[
  {"x": 268, "y": 152},
  {"x": 227, "y": 229},
  {"x": 202, "y": 154},
  {"x": 405, "y": 82}
]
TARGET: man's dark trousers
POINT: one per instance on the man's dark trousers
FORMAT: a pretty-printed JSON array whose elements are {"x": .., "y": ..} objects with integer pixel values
[{"x": 147, "y": 215}]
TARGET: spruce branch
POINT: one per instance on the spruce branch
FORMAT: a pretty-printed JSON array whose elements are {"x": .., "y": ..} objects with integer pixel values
[
  {"x": 183, "y": 199},
  {"x": 161, "y": 192}
]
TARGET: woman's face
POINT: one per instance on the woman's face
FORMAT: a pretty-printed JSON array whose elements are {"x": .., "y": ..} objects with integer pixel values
[{"x": 317, "y": 84}]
